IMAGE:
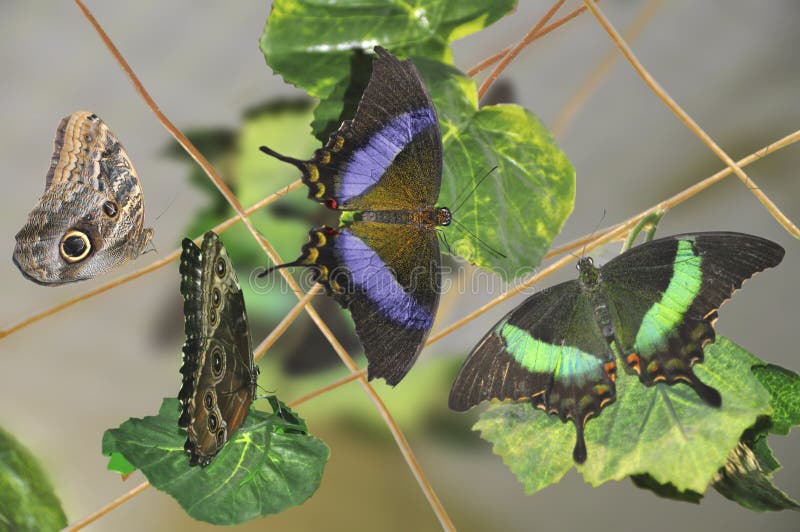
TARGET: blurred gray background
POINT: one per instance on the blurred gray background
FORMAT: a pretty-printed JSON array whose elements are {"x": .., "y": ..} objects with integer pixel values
[{"x": 732, "y": 65}]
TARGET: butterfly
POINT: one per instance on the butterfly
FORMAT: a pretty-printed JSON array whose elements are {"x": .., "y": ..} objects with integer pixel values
[
  {"x": 654, "y": 307},
  {"x": 384, "y": 169},
  {"x": 219, "y": 374},
  {"x": 90, "y": 218}
]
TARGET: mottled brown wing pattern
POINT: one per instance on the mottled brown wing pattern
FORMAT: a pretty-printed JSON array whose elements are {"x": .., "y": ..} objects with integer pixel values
[
  {"x": 90, "y": 218},
  {"x": 219, "y": 375}
]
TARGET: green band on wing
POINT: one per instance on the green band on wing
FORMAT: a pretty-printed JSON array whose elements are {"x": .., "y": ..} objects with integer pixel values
[
  {"x": 662, "y": 318},
  {"x": 562, "y": 361}
]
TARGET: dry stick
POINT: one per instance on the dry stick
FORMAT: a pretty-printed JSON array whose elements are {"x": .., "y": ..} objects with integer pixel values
[
  {"x": 107, "y": 508},
  {"x": 548, "y": 270},
  {"x": 147, "y": 269},
  {"x": 529, "y": 37},
  {"x": 614, "y": 232},
  {"x": 273, "y": 255},
  {"x": 489, "y": 61},
  {"x": 688, "y": 121},
  {"x": 579, "y": 98},
  {"x": 332, "y": 386},
  {"x": 287, "y": 320},
  {"x": 170, "y": 127}
]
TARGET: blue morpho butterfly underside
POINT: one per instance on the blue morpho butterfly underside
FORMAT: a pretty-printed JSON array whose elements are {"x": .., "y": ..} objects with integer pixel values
[
  {"x": 219, "y": 375},
  {"x": 653, "y": 306},
  {"x": 384, "y": 167}
]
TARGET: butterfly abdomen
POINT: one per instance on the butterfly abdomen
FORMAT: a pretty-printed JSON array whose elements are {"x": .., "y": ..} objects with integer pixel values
[{"x": 426, "y": 217}]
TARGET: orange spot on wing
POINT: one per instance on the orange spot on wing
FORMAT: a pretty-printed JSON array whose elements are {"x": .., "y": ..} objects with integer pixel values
[
  {"x": 633, "y": 360},
  {"x": 611, "y": 370}
]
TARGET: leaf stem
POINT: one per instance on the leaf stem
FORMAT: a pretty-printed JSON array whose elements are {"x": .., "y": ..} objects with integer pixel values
[
  {"x": 773, "y": 209},
  {"x": 517, "y": 48},
  {"x": 107, "y": 508},
  {"x": 651, "y": 222}
]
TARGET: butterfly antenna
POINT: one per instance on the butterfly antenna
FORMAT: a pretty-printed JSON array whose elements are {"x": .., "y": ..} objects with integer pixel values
[
  {"x": 460, "y": 202},
  {"x": 291, "y": 160},
  {"x": 443, "y": 238},
  {"x": 484, "y": 244},
  {"x": 591, "y": 236}
]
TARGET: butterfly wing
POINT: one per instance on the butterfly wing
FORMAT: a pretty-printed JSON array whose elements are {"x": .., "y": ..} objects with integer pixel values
[
  {"x": 388, "y": 277},
  {"x": 90, "y": 218},
  {"x": 394, "y": 272},
  {"x": 549, "y": 350},
  {"x": 664, "y": 295},
  {"x": 218, "y": 371},
  {"x": 389, "y": 156}
]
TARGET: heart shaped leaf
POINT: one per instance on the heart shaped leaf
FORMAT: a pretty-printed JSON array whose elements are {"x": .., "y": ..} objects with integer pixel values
[{"x": 269, "y": 465}]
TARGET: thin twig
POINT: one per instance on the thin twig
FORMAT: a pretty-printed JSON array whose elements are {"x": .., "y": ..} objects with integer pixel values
[
  {"x": 489, "y": 61},
  {"x": 579, "y": 98},
  {"x": 287, "y": 320},
  {"x": 517, "y": 48},
  {"x": 688, "y": 121},
  {"x": 107, "y": 508},
  {"x": 616, "y": 232},
  {"x": 275, "y": 258},
  {"x": 147, "y": 269},
  {"x": 332, "y": 386}
]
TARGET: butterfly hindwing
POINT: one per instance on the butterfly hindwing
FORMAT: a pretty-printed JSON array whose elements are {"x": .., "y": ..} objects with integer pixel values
[
  {"x": 664, "y": 295},
  {"x": 219, "y": 375},
  {"x": 394, "y": 293},
  {"x": 388, "y": 280},
  {"x": 549, "y": 350},
  {"x": 90, "y": 218}
]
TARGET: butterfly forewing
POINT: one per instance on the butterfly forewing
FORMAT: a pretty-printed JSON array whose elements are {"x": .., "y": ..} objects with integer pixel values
[
  {"x": 664, "y": 295},
  {"x": 390, "y": 155}
]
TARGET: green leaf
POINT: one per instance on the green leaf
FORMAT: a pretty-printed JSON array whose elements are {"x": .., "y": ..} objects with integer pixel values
[
  {"x": 119, "y": 464},
  {"x": 312, "y": 43},
  {"x": 747, "y": 476},
  {"x": 784, "y": 387},
  {"x": 27, "y": 499},
  {"x": 662, "y": 431},
  {"x": 667, "y": 491},
  {"x": 519, "y": 208},
  {"x": 745, "y": 480},
  {"x": 269, "y": 465}
]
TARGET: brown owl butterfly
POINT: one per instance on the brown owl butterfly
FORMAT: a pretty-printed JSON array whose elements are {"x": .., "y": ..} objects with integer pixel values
[
  {"x": 90, "y": 218},
  {"x": 219, "y": 375}
]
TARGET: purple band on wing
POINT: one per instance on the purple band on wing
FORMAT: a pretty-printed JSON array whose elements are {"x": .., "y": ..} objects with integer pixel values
[
  {"x": 368, "y": 163},
  {"x": 371, "y": 275}
]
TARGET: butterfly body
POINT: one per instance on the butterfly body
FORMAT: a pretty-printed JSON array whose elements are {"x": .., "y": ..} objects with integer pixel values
[
  {"x": 90, "y": 218},
  {"x": 653, "y": 308},
  {"x": 383, "y": 171},
  {"x": 219, "y": 374}
]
